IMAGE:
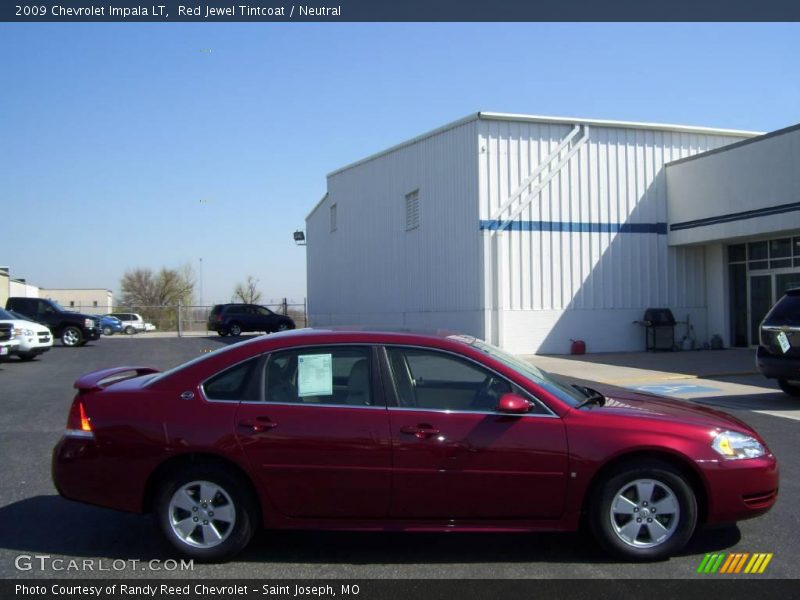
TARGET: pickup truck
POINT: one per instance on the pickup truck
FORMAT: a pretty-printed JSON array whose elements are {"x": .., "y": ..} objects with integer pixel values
[{"x": 74, "y": 329}]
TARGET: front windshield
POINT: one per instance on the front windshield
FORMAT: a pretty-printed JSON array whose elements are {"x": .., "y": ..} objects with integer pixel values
[
  {"x": 564, "y": 392},
  {"x": 57, "y": 306}
]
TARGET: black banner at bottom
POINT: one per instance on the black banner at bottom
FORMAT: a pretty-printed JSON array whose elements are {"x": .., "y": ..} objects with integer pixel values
[{"x": 396, "y": 589}]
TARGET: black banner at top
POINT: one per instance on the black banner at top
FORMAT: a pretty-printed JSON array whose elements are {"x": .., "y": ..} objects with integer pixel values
[{"x": 398, "y": 10}]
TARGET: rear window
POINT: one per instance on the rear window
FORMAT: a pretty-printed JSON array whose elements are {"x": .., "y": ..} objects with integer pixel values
[
  {"x": 217, "y": 309},
  {"x": 786, "y": 311}
]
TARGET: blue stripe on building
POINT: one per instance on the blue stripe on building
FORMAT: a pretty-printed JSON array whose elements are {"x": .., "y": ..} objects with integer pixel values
[
  {"x": 740, "y": 216},
  {"x": 572, "y": 227}
]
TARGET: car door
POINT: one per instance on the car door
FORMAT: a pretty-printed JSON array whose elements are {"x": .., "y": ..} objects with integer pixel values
[
  {"x": 266, "y": 319},
  {"x": 319, "y": 437},
  {"x": 455, "y": 457}
]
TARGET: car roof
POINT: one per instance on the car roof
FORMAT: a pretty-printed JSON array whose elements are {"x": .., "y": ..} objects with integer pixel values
[{"x": 375, "y": 335}]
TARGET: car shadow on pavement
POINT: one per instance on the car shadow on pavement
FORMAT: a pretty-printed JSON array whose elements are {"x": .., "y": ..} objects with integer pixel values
[{"x": 52, "y": 525}]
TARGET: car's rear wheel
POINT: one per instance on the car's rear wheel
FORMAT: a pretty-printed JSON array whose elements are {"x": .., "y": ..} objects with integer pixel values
[
  {"x": 206, "y": 512},
  {"x": 790, "y": 387},
  {"x": 644, "y": 511},
  {"x": 235, "y": 329},
  {"x": 130, "y": 330},
  {"x": 71, "y": 336},
  {"x": 222, "y": 332}
]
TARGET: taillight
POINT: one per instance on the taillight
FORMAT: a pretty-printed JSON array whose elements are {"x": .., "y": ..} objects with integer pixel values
[
  {"x": 78, "y": 423},
  {"x": 219, "y": 318}
]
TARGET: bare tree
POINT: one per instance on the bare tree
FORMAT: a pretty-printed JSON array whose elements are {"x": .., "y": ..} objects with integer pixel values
[
  {"x": 143, "y": 287},
  {"x": 247, "y": 292}
]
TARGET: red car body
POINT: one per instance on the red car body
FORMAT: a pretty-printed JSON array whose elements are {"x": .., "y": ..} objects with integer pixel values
[{"x": 383, "y": 467}]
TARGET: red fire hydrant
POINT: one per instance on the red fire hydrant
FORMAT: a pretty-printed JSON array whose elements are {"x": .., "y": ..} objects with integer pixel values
[{"x": 577, "y": 347}]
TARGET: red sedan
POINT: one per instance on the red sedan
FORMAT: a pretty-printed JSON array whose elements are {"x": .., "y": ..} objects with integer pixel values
[{"x": 396, "y": 431}]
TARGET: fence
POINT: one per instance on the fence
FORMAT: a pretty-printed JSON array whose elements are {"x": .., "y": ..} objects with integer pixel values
[{"x": 193, "y": 320}]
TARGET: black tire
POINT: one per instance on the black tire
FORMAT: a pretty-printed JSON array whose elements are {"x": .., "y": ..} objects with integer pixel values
[
  {"x": 666, "y": 481},
  {"x": 283, "y": 326},
  {"x": 245, "y": 508},
  {"x": 71, "y": 336},
  {"x": 28, "y": 356},
  {"x": 235, "y": 329},
  {"x": 791, "y": 388},
  {"x": 107, "y": 330},
  {"x": 130, "y": 330},
  {"x": 222, "y": 332}
]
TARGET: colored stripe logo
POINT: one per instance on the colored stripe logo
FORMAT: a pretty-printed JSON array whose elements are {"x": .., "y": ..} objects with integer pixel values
[{"x": 735, "y": 563}]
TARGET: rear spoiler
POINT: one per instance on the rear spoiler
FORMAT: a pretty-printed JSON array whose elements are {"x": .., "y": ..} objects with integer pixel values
[{"x": 95, "y": 380}]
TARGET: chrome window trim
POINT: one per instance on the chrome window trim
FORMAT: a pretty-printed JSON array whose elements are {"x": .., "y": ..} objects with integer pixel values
[
  {"x": 530, "y": 397},
  {"x": 309, "y": 404},
  {"x": 475, "y": 412}
]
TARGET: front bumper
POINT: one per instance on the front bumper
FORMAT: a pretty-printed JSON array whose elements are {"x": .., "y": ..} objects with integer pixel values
[
  {"x": 91, "y": 334},
  {"x": 740, "y": 489}
]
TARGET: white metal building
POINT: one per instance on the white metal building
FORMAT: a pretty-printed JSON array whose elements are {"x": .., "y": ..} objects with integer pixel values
[{"x": 526, "y": 231}]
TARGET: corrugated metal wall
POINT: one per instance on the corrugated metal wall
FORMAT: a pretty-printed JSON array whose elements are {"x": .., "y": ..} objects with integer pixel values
[
  {"x": 593, "y": 240},
  {"x": 371, "y": 270}
]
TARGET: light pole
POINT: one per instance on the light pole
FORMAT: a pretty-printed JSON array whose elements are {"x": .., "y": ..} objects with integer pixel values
[{"x": 201, "y": 282}]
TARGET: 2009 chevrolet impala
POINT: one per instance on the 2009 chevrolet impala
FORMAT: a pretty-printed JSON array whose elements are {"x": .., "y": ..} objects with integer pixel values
[{"x": 398, "y": 431}]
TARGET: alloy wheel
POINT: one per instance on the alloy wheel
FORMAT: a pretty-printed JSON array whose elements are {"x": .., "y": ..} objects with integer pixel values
[
  {"x": 201, "y": 514},
  {"x": 644, "y": 513}
]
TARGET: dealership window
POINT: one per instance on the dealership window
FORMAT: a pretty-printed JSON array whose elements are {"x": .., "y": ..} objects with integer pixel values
[
  {"x": 412, "y": 210},
  {"x": 333, "y": 217},
  {"x": 759, "y": 273}
]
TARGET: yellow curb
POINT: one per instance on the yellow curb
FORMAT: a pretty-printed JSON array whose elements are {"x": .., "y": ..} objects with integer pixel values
[{"x": 678, "y": 376}]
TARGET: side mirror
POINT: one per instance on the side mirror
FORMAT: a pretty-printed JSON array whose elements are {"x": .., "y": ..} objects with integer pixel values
[{"x": 513, "y": 404}]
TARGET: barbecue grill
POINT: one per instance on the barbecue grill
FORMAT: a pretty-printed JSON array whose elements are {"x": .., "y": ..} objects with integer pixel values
[{"x": 659, "y": 329}]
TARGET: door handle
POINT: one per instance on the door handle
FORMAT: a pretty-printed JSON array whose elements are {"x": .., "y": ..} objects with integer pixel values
[
  {"x": 261, "y": 424},
  {"x": 420, "y": 431}
]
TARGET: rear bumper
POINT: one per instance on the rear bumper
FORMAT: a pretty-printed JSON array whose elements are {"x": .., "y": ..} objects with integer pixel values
[
  {"x": 81, "y": 473},
  {"x": 777, "y": 367},
  {"x": 741, "y": 489}
]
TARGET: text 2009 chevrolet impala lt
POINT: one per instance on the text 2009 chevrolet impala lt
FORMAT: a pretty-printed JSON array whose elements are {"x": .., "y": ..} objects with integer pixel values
[{"x": 396, "y": 431}]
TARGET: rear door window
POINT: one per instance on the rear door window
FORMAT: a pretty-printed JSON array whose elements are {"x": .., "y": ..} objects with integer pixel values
[{"x": 326, "y": 375}]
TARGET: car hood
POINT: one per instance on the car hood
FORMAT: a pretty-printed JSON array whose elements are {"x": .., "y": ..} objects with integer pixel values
[
  {"x": 21, "y": 324},
  {"x": 625, "y": 402}
]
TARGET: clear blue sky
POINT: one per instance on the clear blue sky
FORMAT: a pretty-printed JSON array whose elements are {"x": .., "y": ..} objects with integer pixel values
[{"x": 132, "y": 145}]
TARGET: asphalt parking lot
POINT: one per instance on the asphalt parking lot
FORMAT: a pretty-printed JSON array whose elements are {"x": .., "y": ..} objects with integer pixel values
[{"x": 34, "y": 520}]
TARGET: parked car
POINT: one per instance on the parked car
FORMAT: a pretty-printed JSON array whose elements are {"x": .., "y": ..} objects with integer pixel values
[
  {"x": 234, "y": 319},
  {"x": 34, "y": 339},
  {"x": 110, "y": 325},
  {"x": 8, "y": 343},
  {"x": 399, "y": 431},
  {"x": 74, "y": 329},
  {"x": 778, "y": 354},
  {"x": 131, "y": 322}
]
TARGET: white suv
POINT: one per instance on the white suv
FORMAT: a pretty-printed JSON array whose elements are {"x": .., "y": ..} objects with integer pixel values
[
  {"x": 32, "y": 338},
  {"x": 131, "y": 322}
]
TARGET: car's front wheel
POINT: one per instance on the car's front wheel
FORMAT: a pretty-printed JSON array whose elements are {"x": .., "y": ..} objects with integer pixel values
[
  {"x": 206, "y": 512},
  {"x": 644, "y": 511},
  {"x": 107, "y": 330},
  {"x": 790, "y": 387},
  {"x": 71, "y": 336}
]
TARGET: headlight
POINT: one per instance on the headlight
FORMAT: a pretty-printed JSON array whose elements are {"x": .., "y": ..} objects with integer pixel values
[
  {"x": 28, "y": 332},
  {"x": 88, "y": 323},
  {"x": 734, "y": 445}
]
